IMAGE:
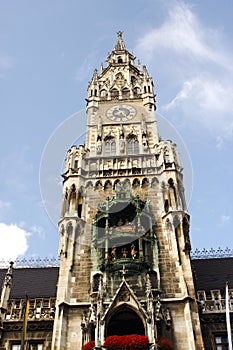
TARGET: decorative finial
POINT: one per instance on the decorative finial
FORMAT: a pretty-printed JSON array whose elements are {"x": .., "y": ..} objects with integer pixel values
[
  {"x": 123, "y": 271},
  {"x": 9, "y": 274},
  {"x": 120, "y": 45}
]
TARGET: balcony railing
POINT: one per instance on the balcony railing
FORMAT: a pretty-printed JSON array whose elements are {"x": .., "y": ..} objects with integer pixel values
[
  {"x": 213, "y": 306},
  {"x": 40, "y": 309}
]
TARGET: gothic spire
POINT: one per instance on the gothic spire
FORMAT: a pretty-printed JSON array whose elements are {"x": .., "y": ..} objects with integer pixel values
[{"x": 120, "y": 45}]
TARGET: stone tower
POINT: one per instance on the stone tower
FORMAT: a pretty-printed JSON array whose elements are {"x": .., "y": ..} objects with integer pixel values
[{"x": 124, "y": 227}]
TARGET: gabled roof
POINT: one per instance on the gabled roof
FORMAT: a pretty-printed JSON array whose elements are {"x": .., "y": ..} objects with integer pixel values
[
  {"x": 213, "y": 273},
  {"x": 36, "y": 282},
  {"x": 124, "y": 296}
]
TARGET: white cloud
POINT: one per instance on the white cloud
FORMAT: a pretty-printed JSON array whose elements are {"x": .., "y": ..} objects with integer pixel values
[
  {"x": 13, "y": 241},
  {"x": 209, "y": 94},
  {"x": 199, "y": 66},
  {"x": 225, "y": 218},
  {"x": 38, "y": 230},
  {"x": 184, "y": 34}
]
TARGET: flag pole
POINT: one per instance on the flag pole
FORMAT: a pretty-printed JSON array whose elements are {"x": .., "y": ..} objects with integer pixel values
[
  {"x": 228, "y": 320},
  {"x": 26, "y": 307}
]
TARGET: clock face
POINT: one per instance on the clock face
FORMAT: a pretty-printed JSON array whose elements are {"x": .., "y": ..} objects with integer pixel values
[{"x": 121, "y": 113}]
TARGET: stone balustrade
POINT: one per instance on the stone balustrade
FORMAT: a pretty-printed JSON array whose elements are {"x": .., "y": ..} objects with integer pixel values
[{"x": 40, "y": 309}]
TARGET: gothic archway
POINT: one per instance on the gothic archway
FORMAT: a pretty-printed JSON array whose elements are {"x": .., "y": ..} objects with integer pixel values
[{"x": 124, "y": 321}]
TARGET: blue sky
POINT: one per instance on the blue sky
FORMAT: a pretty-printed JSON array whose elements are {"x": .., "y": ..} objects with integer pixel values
[{"x": 48, "y": 51}]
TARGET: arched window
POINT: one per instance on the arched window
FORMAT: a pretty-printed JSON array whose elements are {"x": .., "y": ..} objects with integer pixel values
[
  {"x": 132, "y": 144},
  {"x": 113, "y": 147},
  {"x": 114, "y": 93},
  {"x": 136, "y": 183},
  {"x": 136, "y": 90},
  {"x": 110, "y": 145},
  {"x": 145, "y": 182},
  {"x": 125, "y": 92},
  {"x": 133, "y": 79},
  {"x": 107, "y": 185},
  {"x": 98, "y": 185},
  {"x": 107, "y": 148},
  {"x": 119, "y": 60},
  {"x": 103, "y": 93},
  {"x": 136, "y": 147}
]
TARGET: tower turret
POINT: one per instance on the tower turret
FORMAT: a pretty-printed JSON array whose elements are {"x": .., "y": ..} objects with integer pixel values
[{"x": 124, "y": 226}]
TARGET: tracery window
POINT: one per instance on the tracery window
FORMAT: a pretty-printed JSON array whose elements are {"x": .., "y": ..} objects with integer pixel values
[
  {"x": 113, "y": 147},
  {"x": 107, "y": 148},
  {"x": 110, "y": 145},
  {"x": 132, "y": 144}
]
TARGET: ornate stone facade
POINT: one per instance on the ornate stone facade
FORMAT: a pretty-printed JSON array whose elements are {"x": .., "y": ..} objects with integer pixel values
[
  {"x": 124, "y": 251},
  {"x": 124, "y": 227}
]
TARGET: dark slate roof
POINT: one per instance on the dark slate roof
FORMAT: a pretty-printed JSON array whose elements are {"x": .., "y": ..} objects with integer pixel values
[
  {"x": 36, "y": 282},
  {"x": 209, "y": 274},
  {"x": 213, "y": 273}
]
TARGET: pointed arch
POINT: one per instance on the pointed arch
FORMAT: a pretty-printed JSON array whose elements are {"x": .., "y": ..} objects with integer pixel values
[
  {"x": 115, "y": 183},
  {"x": 114, "y": 93},
  {"x": 132, "y": 143},
  {"x": 107, "y": 185},
  {"x": 136, "y": 183},
  {"x": 98, "y": 185},
  {"x": 154, "y": 182},
  {"x": 103, "y": 93},
  {"x": 89, "y": 185},
  {"x": 109, "y": 144},
  {"x": 125, "y": 320},
  {"x": 69, "y": 228},
  {"x": 125, "y": 92},
  {"x": 145, "y": 182}
]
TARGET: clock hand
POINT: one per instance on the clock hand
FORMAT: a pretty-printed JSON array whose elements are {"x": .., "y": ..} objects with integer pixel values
[{"x": 122, "y": 112}]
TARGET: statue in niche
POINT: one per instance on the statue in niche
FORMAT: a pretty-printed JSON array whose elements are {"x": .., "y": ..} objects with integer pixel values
[
  {"x": 120, "y": 222},
  {"x": 99, "y": 145},
  {"x": 122, "y": 144},
  {"x": 113, "y": 253},
  {"x": 124, "y": 253},
  {"x": 166, "y": 156},
  {"x": 133, "y": 251},
  {"x": 144, "y": 142}
]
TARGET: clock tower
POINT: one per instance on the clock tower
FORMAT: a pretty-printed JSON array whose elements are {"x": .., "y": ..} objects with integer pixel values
[{"x": 124, "y": 227}]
